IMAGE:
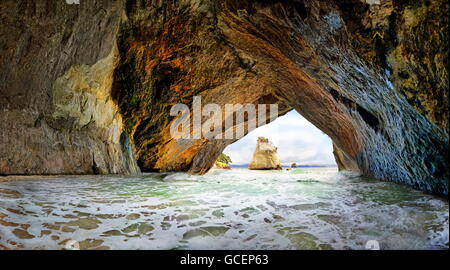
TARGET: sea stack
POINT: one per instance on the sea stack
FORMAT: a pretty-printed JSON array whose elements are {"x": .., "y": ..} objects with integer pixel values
[{"x": 265, "y": 156}]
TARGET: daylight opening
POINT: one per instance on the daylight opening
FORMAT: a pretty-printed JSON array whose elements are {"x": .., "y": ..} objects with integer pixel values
[{"x": 297, "y": 141}]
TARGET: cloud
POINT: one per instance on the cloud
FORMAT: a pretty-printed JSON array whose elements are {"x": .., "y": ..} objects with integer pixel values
[{"x": 297, "y": 140}]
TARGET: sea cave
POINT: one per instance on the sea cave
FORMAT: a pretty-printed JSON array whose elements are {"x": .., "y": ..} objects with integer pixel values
[{"x": 86, "y": 92}]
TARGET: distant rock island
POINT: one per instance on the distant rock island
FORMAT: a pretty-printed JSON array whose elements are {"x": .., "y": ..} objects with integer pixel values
[{"x": 265, "y": 156}]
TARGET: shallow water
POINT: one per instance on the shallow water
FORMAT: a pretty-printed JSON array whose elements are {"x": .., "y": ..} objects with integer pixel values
[{"x": 314, "y": 208}]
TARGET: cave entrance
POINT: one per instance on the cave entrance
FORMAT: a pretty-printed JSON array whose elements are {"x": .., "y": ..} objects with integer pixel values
[{"x": 297, "y": 140}]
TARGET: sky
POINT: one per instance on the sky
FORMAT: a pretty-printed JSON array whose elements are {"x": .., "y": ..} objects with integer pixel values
[{"x": 297, "y": 140}]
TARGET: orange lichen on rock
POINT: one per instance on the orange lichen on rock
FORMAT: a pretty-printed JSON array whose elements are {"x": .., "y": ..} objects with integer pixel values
[
  {"x": 177, "y": 88},
  {"x": 149, "y": 66},
  {"x": 177, "y": 63}
]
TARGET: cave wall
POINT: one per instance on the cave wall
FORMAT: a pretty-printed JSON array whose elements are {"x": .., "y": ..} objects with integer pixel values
[
  {"x": 57, "y": 115},
  {"x": 88, "y": 88}
]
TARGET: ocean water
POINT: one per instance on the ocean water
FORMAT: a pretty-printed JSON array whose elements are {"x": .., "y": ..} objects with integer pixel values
[{"x": 306, "y": 208}]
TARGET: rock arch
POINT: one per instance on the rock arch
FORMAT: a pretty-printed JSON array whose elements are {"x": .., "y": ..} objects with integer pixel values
[
  {"x": 88, "y": 88},
  {"x": 302, "y": 58}
]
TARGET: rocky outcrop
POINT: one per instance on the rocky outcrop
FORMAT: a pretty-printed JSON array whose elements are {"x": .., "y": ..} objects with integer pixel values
[
  {"x": 223, "y": 162},
  {"x": 265, "y": 156},
  {"x": 57, "y": 115},
  {"x": 373, "y": 75}
]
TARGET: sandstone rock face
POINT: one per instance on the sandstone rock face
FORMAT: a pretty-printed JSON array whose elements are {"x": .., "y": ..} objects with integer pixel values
[
  {"x": 89, "y": 87},
  {"x": 56, "y": 111},
  {"x": 265, "y": 156}
]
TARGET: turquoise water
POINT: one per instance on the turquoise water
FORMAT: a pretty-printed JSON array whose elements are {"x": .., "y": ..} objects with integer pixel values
[{"x": 307, "y": 208}]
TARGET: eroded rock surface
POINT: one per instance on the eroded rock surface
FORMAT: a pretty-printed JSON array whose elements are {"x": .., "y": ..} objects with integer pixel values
[
  {"x": 57, "y": 115},
  {"x": 373, "y": 75},
  {"x": 265, "y": 156}
]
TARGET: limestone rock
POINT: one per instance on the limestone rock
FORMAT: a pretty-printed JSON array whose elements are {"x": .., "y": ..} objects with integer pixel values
[
  {"x": 56, "y": 111},
  {"x": 265, "y": 156}
]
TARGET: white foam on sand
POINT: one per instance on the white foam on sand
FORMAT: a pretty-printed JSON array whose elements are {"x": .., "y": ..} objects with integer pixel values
[{"x": 306, "y": 208}]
